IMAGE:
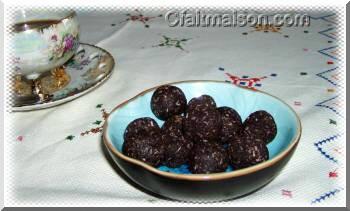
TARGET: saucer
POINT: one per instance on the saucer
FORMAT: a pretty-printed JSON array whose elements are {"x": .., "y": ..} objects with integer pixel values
[{"x": 87, "y": 69}]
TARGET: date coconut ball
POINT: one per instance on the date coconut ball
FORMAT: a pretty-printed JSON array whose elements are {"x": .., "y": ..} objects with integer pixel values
[
  {"x": 208, "y": 158},
  {"x": 202, "y": 120},
  {"x": 140, "y": 126},
  {"x": 261, "y": 125},
  {"x": 168, "y": 101},
  {"x": 245, "y": 151},
  {"x": 198, "y": 104},
  {"x": 142, "y": 141},
  {"x": 231, "y": 124},
  {"x": 177, "y": 148}
]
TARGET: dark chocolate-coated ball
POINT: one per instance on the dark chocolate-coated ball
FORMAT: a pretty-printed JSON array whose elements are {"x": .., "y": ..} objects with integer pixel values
[
  {"x": 146, "y": 148},
  {"x": 140, "y": 127},
  {"x": 142, "y": 141},
  {"x": 201, "y": 103},
  {"x": 174, "y": 125},
  {"x": 245, "y": 151},
  {"x": 202, "y": 120},
  {"x": 261, "y": 125},
  {"x": 177, "y": 148},
  {"x": 168, "y": 101},
  {"x": 231, "y": 124},
  {"x": 203, "y": 125},
  {"x": 208, "y": 158}
]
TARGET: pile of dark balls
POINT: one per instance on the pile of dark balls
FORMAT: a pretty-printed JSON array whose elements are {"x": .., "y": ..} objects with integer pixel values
[{"x": 206, "y": 137}]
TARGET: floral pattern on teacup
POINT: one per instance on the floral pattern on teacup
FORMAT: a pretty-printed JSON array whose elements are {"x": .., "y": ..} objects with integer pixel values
[
  {"x": 59, "y": 47},
  {"x": 62, "y": 38},
  {"x": 41, "y": 49}
]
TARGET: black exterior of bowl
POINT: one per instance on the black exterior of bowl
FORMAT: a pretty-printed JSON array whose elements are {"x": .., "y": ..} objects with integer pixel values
[{"x": 201, "y": 191}]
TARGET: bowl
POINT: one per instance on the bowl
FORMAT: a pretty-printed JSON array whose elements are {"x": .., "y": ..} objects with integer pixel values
[
  {"x": 179, "y": 184},
  {"x": 43, "y": 40}
]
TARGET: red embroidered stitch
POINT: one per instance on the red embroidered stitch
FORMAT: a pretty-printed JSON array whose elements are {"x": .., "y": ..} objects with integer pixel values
[
  {"x": 287, "y": 193},
  {"x": 333, "y": 174},
  {"x": 140, "y": 17},
  {"x": 20, "y": 138},
  {"x": 248, "y": 82},
  {"x": 96, "y": 129},
  {"x": 297, "y": 103}
]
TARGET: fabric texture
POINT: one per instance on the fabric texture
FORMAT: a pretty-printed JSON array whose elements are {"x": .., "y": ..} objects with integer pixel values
[{"x": 59, "y": 159}]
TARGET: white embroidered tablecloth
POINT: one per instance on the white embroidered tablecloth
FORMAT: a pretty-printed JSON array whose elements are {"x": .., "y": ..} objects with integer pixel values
[{"x": 57, "y": 156}]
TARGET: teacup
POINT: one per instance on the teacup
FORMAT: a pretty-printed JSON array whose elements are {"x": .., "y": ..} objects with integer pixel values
[{"x": 43, "y": 41}]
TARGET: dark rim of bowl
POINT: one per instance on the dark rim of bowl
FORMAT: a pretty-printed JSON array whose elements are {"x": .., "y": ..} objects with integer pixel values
[
  {"x": 18, "y": 29},
  {"x": 202, "y": 177}
]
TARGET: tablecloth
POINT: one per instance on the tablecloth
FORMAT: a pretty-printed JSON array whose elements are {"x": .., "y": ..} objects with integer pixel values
[{"x": 57, "y": 155}]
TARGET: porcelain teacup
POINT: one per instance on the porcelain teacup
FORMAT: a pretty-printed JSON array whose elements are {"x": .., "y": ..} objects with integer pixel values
[{"x": 43, "y": 41}]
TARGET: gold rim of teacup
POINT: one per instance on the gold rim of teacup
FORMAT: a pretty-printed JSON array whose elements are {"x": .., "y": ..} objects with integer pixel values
[{"x": 17, "y": 29}]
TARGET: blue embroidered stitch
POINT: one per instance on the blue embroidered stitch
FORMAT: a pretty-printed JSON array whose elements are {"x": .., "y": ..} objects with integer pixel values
[
  {"x": 325, "y": 18},
  {"x": 322, "y": 104},
  {"x": 322, "y": 51},
  {"x": 321, "y": 74},
  {"x": 324, "y": 32},
  {"x": 326, "y": 195},
  {"x": 319, "y": 148}
]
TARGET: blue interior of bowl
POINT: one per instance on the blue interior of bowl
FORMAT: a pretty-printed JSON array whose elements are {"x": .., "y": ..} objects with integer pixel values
[{"x": 225, "y": 94}]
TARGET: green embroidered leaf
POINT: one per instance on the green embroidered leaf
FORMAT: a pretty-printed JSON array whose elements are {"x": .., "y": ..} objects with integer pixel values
[
  {"x": 333, "y": 122},
  {"x": 70, "y": 137},
  {"x": 97, "y": 122},
  {"x": 99, "y": 105}
]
